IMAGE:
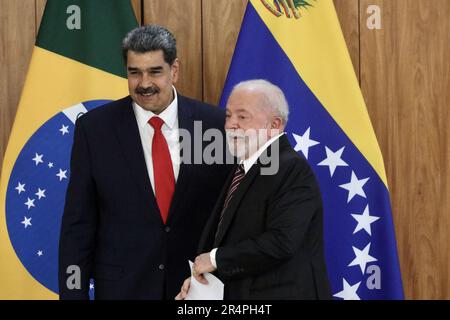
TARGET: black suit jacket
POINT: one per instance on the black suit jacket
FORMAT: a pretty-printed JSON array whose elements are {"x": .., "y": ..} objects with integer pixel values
[
  {"x": 270, "y": 243},
  {"x": 112, "y": 228}
]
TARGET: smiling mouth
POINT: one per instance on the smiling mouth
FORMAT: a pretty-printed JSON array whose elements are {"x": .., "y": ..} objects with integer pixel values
[{"x": 146, "y": 94}]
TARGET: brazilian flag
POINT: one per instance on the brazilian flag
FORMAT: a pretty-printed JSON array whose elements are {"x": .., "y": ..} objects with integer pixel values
[{"x": 76, "y": 65}]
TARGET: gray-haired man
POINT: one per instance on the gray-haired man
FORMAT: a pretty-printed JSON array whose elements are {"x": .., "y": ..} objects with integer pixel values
[
  {"x": 134, "y": 212},
  {"x": 264, "y": 239}
]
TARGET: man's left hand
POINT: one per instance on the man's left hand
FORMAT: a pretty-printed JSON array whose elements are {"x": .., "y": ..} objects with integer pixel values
[{"x": 202, "y": 264}]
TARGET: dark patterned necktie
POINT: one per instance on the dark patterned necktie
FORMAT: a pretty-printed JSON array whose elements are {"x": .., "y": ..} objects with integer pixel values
[{"x": 238, "y": 176}]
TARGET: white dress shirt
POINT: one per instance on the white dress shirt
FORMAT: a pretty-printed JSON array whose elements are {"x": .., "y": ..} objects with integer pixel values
[
  {"x": 248, "y": 163},
  {"x": 169, "y": 129}
]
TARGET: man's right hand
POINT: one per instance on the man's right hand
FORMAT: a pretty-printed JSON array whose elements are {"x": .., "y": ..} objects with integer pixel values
[{"x": 184, "y": 290}]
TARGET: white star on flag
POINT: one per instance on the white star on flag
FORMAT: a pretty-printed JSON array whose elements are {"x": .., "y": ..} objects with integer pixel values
[
  {"x": 348, "y": 292},
  {"x": 26, "y": 222},
  {"x": 30, "y": 203},
  {"x": 304, "y": 142},
  {"x": 355, "y": 187},
  {"x": 333, "y": 160},
  {"x": 362, "y": 258},
  {"x": 20, "y": 188},
  {"x": 50, "y": 164},
  {"x": 40, "y": 193},
  {"x": 62, "y": 174},
  {"x": 64, "y": 129},
  {"x": 91, "y": 286},
  {"x": 40, "y": 253},
  {"x": 38, "y": 158},
  {"x": 364, "y": 221}
]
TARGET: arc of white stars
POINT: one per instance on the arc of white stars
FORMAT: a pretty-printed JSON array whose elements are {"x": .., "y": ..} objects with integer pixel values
[
  {"x": 348, "y": 292},
  {"x": 38, "y": 158},
  {"x": 333, "y": 160},
  {"x": 30, "y": 203},
  {"x": 40, "y": 193},
  {"x": 304, "y": 142},
  {"x": 20, "y": 188},
  {"x": 364, "y": 221},
  {"x": 62, "y": 174},
  {"x": 64, "y": 129},
  {"x": 40, "y": 253},
  {"x": 355, "y": 187},
  {"x": 50, "y": 165},
  {"x": 362, "y": 258},
  {"x": 26, "y": 222}
]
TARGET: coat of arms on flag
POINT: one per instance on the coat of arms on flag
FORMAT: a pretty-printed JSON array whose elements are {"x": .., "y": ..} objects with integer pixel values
[{"x": 286, "y": 7}]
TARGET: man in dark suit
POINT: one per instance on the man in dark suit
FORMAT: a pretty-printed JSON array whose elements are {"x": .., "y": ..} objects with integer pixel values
[
  {"x": 264, "y": 239},
  {"x": 136, "y": 204}
]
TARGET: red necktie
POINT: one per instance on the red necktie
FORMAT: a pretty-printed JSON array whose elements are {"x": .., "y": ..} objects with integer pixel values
[{"x": 162, "y": 169}]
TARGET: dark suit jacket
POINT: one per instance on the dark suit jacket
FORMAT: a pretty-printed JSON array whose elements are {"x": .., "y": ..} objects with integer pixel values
[
  {"x": 270, "y": 243},
  {"x": 112, "y": 228}
]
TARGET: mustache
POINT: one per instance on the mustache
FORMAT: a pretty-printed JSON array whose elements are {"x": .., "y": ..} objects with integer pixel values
[
  {"x": 235, "y": 134},
  {"x": 149, "y": 90}
]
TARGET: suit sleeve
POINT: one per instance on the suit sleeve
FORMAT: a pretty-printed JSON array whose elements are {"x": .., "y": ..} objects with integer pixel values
[
  {"x": 290, "y": 212},
  {"x": 77, "y": 238}
]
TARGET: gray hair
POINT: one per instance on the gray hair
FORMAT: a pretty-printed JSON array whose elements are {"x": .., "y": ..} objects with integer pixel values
[
  {"x": 273, "y": 95},
  {"x": 151, "y": 37}
]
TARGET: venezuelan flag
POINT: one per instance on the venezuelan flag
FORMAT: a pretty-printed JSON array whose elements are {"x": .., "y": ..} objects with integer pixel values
[
  {"x": 76, "y": 66},
  {"x": 299, "y": 46}
]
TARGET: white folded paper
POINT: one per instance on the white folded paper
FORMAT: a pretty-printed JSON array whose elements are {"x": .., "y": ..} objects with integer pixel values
[{"x": 199, "y": 291}]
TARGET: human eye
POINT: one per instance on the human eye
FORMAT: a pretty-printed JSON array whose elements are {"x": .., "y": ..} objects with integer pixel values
[{"x": 156, "y": 71}]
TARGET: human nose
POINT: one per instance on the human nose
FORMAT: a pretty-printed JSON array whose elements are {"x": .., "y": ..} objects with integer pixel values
[
  {"x": 146, "y": 80},
  {"x": 231, "y": 123}
]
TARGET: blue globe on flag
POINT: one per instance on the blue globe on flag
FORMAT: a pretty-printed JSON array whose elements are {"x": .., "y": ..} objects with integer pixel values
[{"x": 36, "y": 194}]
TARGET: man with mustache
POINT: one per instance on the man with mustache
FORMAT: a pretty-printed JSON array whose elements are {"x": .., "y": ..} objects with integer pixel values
[
  {"x": 264, "y": 239},
  {"x": 135, "y": 205}
]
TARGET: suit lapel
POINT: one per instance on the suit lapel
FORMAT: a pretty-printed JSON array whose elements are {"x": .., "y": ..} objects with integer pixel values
[
  {"x": 131, "y": 145},
  {"x": 186, "y": 122},
  {"x": 235, "y": 201},
  {"x": 207, "y": 239}
]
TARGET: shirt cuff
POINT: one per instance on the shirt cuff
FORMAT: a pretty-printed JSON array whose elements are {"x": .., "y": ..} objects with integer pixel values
[{"x": 212, "y": 256}]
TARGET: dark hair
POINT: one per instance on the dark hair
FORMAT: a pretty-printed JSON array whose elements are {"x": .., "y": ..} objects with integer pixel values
[{"x": 151, "y": 37}]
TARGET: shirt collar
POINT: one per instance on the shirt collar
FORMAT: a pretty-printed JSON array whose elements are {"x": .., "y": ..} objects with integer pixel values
[
  {"x": 248, "y": 163},
  {"x": 169, "y": 115}
]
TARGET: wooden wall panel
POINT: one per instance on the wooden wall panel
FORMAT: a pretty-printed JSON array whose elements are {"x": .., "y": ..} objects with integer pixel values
[
  {"x": 183, "y": 19},
  {"x": 40, "y": 7},
  {"x": 137, "y": 7},
  {"x": 405, "y": 73},
  {"x": 221, "y": 21},
  {"x": 17, "y": 19},
  {"x": 348, "y": 13}
]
